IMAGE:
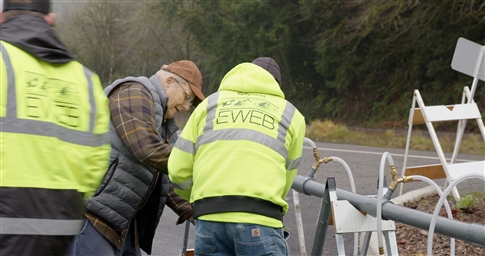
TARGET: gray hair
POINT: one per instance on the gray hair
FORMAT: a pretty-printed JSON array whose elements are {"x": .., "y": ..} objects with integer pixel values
[{"x": 162, "y": 75}]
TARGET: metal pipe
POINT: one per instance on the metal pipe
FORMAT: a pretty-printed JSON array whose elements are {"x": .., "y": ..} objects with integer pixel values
[
  {"x": 432, "y": 225},
  {"x": 470, "y": 233},
  {"x": 186, "y": 238}
]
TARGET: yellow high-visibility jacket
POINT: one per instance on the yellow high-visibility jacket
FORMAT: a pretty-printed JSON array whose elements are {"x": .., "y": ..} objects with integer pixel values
[
  {"x": 54, "y": 142},
  {"x": 239, "y": 152}
]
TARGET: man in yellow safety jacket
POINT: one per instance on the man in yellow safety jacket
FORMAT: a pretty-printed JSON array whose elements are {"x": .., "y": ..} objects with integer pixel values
[
  {"x": 236, "y": 160},
  {"x": 54, "y": 142}
]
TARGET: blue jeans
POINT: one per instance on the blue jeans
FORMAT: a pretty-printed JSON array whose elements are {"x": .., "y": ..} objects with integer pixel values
[
  {"x": 221, "y": 238},
  {"x": 89, "y": 243}
]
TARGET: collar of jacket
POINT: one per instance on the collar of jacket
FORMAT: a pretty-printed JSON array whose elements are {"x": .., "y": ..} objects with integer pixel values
[
  {"x": 170, "y": 123},
  {"x": 35, "y": 36}
]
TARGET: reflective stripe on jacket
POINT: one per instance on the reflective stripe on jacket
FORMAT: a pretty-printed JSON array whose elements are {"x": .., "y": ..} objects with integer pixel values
[
  {"x": 239, "y": 152},
  {"x": 54, "y": 143}
]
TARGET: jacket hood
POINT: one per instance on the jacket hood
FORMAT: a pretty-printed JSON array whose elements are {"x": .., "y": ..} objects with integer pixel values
[
  {"x": 33, "y": 35},
  {"x": 250, "y": 78}
]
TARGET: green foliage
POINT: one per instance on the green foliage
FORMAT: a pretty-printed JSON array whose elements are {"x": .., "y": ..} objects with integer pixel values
[
  {"x": 353, "y": 62},
  {"x": 356, "y": 62},
  {"x": 468, "y": 201},
  {"x": 424, "y": 202},
  {"x": 231, "y": 32},
  {"x": 373, "y": 54}
]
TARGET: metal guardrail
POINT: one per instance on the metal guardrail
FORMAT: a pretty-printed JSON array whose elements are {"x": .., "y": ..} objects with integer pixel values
[{"x": 470, "y": 233}]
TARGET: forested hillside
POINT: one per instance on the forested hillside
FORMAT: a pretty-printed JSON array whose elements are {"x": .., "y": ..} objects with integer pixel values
[{"x": 355, "y": 62}]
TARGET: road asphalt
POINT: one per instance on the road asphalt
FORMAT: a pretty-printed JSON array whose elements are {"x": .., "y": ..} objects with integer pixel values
[{"x": 364, "y": 163}]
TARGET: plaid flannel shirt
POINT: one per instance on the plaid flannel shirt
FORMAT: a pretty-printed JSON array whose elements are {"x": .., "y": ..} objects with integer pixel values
[{"x": 133, "y": 114}]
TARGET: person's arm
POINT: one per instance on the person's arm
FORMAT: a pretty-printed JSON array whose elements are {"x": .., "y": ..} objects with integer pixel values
[
  {"x": 133, "y": 114},
  {"x": 180, "y": 206},
  {"x": 181, "y": 162},
  {"x": 295, "y": 151}
]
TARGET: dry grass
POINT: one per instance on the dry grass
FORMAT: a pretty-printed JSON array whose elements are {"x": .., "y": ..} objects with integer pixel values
[{"x": 328, "y": 131}]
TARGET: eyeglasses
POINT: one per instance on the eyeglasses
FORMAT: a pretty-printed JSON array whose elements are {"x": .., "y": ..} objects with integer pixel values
[{"x": 188, "y": 98}]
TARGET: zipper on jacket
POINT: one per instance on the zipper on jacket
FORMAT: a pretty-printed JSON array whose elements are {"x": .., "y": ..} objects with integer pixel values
[
  {"x": 145, "y": 199},
  {"x": 149, "y": 192}
]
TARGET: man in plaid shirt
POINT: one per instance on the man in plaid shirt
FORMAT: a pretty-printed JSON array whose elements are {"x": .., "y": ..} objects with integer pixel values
[{"x": 123, "y": 215}]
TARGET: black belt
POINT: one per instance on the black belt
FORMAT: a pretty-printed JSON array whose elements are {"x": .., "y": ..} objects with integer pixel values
[{"x": 221, "y": 204}]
